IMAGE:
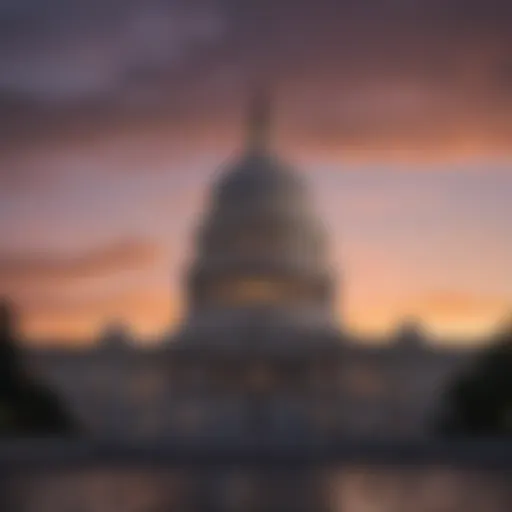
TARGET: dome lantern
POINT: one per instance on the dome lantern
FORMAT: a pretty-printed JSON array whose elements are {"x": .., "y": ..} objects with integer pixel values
[{"x": 258, "y": 129}]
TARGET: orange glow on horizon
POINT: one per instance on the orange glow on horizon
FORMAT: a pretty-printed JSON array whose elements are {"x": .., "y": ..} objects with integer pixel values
[{"x": 160, "y": 317}]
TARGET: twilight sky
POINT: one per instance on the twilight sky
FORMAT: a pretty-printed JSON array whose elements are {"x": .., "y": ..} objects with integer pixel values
[{"x": 116, "y": 115}]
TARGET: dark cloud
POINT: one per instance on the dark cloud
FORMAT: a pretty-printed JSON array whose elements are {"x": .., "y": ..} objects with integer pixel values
[
  {"x": 425, "y": 74},
  {"x": 62, "y": 51},
  {"x": 93, "y": 47}
]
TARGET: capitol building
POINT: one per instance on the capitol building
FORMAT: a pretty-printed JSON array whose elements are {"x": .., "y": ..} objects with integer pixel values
[{"x": 259, "y": 351}]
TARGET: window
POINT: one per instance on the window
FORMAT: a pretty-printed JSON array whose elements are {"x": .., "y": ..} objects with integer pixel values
[
  {"x": 363, "y": 382},
  {"x": 255, "y": 291}
]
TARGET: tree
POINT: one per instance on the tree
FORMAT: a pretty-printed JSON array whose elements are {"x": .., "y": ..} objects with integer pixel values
[
  {"x": 27, "y": 406},
  {"x": 479, "y": 401}
]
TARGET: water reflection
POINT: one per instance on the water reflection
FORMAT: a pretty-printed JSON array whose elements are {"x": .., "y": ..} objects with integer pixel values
[{"x": 348, "y": 489}]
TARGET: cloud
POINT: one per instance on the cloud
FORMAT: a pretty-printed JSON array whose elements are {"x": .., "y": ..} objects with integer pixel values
[
  {"x": 65, "y": 52},
  {"x": 147, "y": 311},
  {"x": 447, "y": 315},
  {"x": 456, "y": 305},
  {"x": 369, "y": 80},
  {"x": 30, "y": 270},
  {"x": 56, "y": 295},
  {"x": 455, "y": 314}
]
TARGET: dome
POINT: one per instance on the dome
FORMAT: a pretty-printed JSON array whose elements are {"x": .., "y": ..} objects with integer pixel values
[
  {"x": 259, "y": 245},
  {"x": 258, "y": 175}
]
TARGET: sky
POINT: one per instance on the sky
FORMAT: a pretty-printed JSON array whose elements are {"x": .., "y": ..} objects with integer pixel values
[{"x": 117, "y": 115}]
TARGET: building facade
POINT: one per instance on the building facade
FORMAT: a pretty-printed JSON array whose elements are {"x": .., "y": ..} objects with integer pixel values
[
  {"x": 259, "y": 350},
  {"x": 386, "y": 390}
]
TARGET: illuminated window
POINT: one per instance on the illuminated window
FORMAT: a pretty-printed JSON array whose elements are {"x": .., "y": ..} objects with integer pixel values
[
  {"x": 147, "y": 386},
  {"x": 250, "y": 291},
  {"x": 364, "y": 382}
]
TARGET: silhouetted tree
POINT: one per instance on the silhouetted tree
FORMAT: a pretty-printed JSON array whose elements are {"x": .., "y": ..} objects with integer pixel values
[
  {"x": 27, "y": 407},
  {"x": 479, "y": 401}
]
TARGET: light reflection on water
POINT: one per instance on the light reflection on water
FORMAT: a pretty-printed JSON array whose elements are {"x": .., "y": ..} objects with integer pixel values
[
  {"x": 420, "y": 490},
  {"x": 352, "y": 489}
]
